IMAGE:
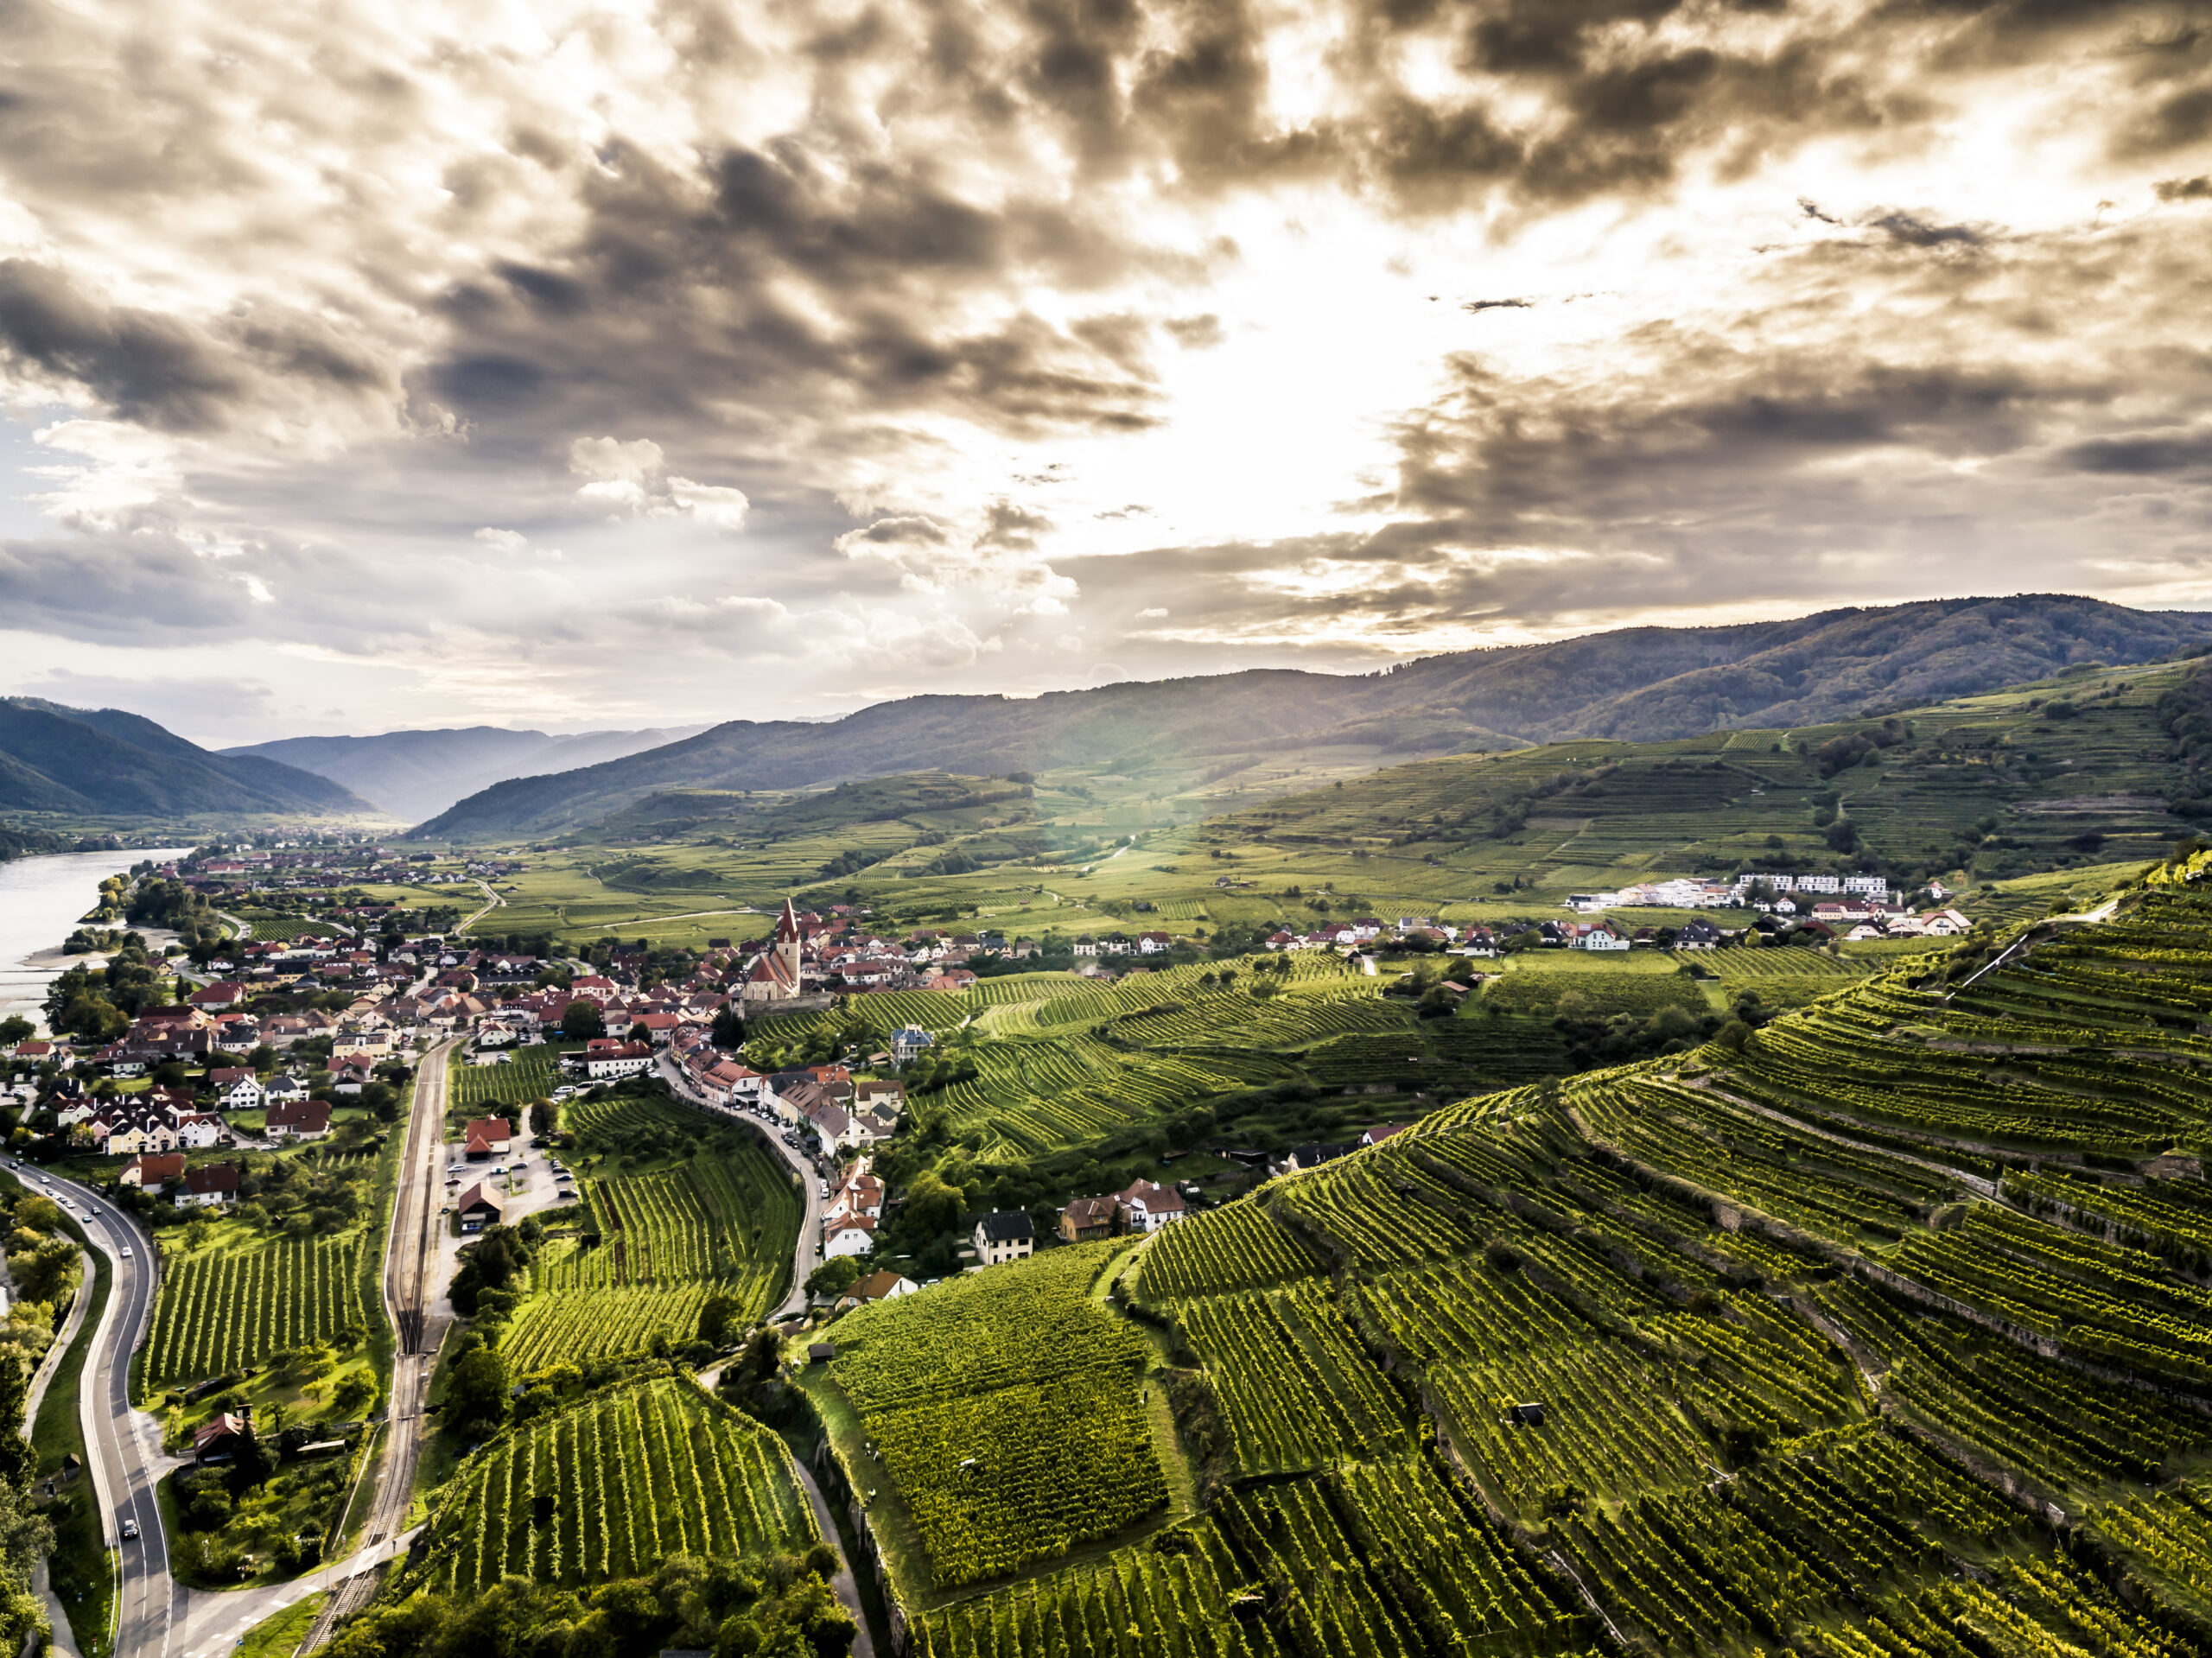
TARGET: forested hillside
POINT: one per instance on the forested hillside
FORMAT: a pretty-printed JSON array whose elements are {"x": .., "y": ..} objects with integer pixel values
[
  {"x": 1639, "y": 683},
  {"x": 106, "y": 763}
]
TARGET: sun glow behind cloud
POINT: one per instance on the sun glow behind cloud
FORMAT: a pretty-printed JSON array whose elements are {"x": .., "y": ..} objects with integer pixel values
[{"x": 625, "y": 349}]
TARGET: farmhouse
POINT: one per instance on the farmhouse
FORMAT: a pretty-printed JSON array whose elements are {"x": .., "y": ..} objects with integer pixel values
[
  {"x": 151, "y": 1171},
  {"x": 884, "y": 1285},
  {"x": 1147, "y": 1207},
  {"x": 218, "y": 1442},
  {"x": 1086, "y": 1218},
  {"x": 486, "y": 1137}
]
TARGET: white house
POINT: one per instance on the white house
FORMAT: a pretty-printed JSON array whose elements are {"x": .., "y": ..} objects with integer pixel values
[
  {"x": 236, "y": 1090},
  {"x": 908, "y": 1042},
  {"x": 1148, "y": 1206},
  {"x": 853, "y": 1235},
  {"x": 1004, "y": 1235},
  {"x": 1599, "y": 938},
  {"x": 199, "y": 1132}
]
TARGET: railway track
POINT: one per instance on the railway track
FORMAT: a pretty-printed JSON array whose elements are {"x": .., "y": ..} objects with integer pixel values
[{"x": 409, "y": 1292}]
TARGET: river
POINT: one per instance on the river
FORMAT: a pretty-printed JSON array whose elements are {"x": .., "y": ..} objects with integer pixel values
[{"x": 41, "y": 899}]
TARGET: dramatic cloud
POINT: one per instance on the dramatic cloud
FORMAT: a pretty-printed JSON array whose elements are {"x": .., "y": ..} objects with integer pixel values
[{"x": 686, "y": 360}]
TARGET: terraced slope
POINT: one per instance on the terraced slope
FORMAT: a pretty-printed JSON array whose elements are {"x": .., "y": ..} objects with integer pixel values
[{"x": 1890, "y": 1334}]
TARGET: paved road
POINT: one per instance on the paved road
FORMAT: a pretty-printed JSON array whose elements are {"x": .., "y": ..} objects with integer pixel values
[
  {"x": 806, "y": 1254},
  {"x": 125, "y": 1445},
  {"x": 157, "y": 1617}
]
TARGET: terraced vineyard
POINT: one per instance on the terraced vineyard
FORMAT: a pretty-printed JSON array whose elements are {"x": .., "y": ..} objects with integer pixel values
[
  {"x": 1066, "y": 1061},
  {"x": 1005, "y": 1408},
  {"x": 659, "y": 1243},
  {"x": 609, "y": 1487},
  {"x": 221, "y": 1311},
  {"x": 1840, "y": 1345}
]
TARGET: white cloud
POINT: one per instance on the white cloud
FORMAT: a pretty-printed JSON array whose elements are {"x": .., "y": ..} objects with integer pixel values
[{"x": 633, "y": 477}]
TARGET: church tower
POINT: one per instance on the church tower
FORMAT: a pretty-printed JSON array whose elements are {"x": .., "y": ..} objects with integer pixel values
[{"x": 787, "y": 946}]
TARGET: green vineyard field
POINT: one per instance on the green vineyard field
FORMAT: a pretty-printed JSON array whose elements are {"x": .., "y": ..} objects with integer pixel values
[
  {"x": 221, "y": 1311},
  {"x": 611, "y": 1486}
]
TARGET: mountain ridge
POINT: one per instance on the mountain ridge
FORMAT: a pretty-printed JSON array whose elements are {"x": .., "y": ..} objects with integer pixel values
[
  {"x": 105, "y": 761},
  {"x": 415, "y": 774},
  {"x": 1638, "y": 684}
]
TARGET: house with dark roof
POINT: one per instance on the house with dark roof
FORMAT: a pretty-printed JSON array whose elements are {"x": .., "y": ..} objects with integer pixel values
[
  {"x": 209, "y": 1186},
  {"x": 298, "y": 1120},
  {"x": 1004, "y": 1234}
]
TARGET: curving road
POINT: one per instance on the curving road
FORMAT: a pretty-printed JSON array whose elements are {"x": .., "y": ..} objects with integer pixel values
[
  {"x": 806, "y": 1254},
  {"x": 124, "y": 1446},
  {"x": 156, "y": 1616}
]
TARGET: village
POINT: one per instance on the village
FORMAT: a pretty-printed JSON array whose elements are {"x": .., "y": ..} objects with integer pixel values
[{"x": 277, "y": 1041}]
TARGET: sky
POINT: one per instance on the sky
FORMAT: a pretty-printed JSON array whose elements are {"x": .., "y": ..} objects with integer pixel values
[{"x": 374, "y": 366}]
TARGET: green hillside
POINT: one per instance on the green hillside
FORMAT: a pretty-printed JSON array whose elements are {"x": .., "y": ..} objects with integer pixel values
[
  {"x": 1641, "y": 685},
  {"x": 2066, "y": 774},
  {"x": 104, "y": 763},
  {"x": 1881, "y": 1329}
]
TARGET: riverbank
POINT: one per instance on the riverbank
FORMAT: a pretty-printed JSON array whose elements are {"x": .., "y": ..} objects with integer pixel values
[{"x": 42, "y": 899}]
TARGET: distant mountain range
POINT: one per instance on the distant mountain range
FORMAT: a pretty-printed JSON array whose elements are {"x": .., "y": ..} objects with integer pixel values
[
  {"x": 1638, "y": 684},
  {"x": 416, "y": 774},
  {"x": 103, "y": 762}
]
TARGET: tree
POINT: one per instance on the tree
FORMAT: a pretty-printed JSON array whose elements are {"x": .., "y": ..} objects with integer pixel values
[
  {"x": 834, "y": 1276},
  {"x": 544, "y": 1117},
  {"x": 251, "y": 1465},
  {"x": 476, "y": 1394},
  {"x": 15, "y": 1028},
  {"x": 718, "y": 1319},
  {"x": 581, "y": 1021}
]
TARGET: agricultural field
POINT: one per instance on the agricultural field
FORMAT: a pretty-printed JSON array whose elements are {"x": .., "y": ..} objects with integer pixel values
[
  {"x": 608, "y": 1487},
  {"x": 1991, "y": 791},
  {"x": 283, "y": 1285},
  {"x": 1063, "y": 1061},
  {"x": 526, "y": 1074},
  {"x": 223, "y": 1310},
  {"x": 1755, "y": 1348},
  {"x": 676, "y": 1207},
  {"x": 1004, "y": 1409}
]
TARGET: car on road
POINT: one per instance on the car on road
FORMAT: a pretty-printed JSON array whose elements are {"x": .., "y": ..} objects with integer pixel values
[
  {"x": 126, "y": 1252},
  {"x": 129, "y": 1530}
]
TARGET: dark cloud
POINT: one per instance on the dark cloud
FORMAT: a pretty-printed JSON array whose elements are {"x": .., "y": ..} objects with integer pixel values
[
  {"x": 1915, "y": 231},
  {"x": 143, "y": 366},
  {"x": 2195, "y": 189},
  {"x": 1481, "y": 305},
  {"x": 2145, "y": 455},
  {"x": 1196, "y": 332}
]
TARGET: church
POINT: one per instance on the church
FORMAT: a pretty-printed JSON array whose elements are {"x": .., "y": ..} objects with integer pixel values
[{"x": 776, "y": 976}]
